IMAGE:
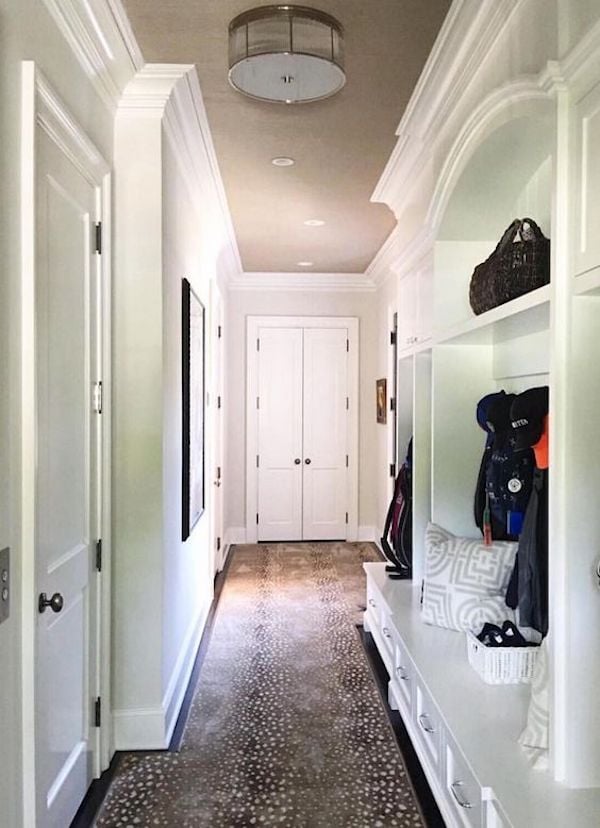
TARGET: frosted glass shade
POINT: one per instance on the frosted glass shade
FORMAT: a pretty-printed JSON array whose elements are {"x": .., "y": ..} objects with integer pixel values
[{"x": 286, "y": 54}]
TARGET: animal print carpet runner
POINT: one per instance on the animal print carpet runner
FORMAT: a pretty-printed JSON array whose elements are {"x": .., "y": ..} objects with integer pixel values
[{"x": 286, "y": 727}]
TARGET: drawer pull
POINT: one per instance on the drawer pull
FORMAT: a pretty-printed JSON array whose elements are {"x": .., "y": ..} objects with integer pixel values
[
  {"x": 402, "y": 674},
  {"x": 424, "y": 722},
  {"x": 386, "y": 632},
  {"x": 372, "y": 602},
  {"x": 456, "y": 788}
]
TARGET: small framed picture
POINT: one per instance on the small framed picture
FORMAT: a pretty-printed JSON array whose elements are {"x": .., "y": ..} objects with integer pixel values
[{"x": 381, "y": 385}]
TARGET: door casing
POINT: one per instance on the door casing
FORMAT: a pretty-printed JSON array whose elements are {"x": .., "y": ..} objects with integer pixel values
[
  {"x": 43, "y": 109},
  {"x": 254, "y": 324}
]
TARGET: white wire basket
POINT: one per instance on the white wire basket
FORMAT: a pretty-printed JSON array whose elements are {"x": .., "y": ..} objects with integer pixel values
[{"x": 501, "y": 665}]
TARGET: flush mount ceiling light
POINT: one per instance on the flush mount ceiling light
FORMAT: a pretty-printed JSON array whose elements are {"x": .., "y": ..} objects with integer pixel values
[
  {"x": 314, "y": 222},
  {"x": 286, "y": 54},
  {"x": 283, "y": 162},
  {"x": 304, "y": 264}
]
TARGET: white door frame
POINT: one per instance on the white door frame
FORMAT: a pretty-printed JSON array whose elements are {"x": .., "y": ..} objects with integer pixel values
[
  {"x": 43, "y": 109},
  {"x": 254, "y": 323},
  {"x": 215, "y": 462}
]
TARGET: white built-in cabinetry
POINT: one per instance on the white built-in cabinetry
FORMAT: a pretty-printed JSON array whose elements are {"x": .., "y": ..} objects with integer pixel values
[{"x": 473, "y": 155}]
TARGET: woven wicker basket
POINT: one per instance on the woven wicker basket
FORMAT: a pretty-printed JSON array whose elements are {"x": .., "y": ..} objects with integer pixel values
[{"x": 501, "y": 665}]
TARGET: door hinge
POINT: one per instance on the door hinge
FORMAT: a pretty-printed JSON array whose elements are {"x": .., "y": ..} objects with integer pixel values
[
  {"x": 218, "y": 544},
  {"x": 347, "y": 461},
  {"x": 347, "y": 403},
  {"x": 392, "y": 338},
  {"x": 219, "y": 332},
  {"x": 257, "y": 461},
  {"x": 98, "y": 237},
  {"x": 346, "y": 517},
  {"x": 97, "y": 397},
  {"x": 98, "y": 712},
  {"x": 99, "y": 555},
  {"x": 258, "y": 344},
  {"x": 392, "y": 404},
  {"x": 392, "y": 470},
  {"x": 258, "y": 402},
  {"x": 218, "y": 472},
  {"x": 347, "y": 346},
  {"x": 257, "y": 518},
  {"x": 219, "y": 401}
]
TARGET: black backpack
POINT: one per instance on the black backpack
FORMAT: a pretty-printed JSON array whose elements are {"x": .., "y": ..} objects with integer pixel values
[
  {"x": 397, "y": 533},
  {"x": 505, "y": 474}
]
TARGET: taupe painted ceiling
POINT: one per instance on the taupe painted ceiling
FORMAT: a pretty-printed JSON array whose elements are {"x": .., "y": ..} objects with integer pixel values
[{"x": 340, "y": 145}]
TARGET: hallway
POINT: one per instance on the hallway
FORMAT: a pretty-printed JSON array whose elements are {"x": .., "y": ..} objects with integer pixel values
[{"x": 286, "y": 727}]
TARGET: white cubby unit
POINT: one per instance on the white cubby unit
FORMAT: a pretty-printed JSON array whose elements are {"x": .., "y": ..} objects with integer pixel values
[{"x": 499, "y": 127}]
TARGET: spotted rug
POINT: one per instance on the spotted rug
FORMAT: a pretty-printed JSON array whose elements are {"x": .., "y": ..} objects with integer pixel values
[{"x": 286, "y": 727}]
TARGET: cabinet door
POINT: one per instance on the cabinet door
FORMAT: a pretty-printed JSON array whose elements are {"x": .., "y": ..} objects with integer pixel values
[
  {"x": 280, "y": 434},
  {"x": 587, "y": 114},
  {"x": 407, "y": 311},
  {"x": 325, "y": 433}
]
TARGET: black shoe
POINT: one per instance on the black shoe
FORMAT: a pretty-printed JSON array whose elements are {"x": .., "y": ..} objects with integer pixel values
[
  {"x": 491, "y": 636},
  {"x": 512, "y": 637}
]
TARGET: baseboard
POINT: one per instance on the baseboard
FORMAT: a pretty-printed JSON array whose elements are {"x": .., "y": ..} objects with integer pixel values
[
  {"x": 151, "y": 728},
  {"x": 182, "y": 671},
  {"x": 377, "y": 539},
  {"x": 235, "y": 534},
  {"x": 367, "y": 533},
  {"x": 139, "y": 729}
]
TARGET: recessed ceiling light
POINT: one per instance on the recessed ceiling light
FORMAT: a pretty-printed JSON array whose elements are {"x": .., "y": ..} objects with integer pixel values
[
  {"x": 305, "y": 264},
  {"x": 314, "y": 223},
  {"x": 283, "y": 162}
]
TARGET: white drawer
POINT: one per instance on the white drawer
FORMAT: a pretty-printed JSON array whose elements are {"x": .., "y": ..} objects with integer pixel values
[
  {"x": 494, "y": 816},
  {"x": 463, "y": 791},
  {"x": 387, "y": 637},
  {"x": 403, "y": 677},
  {"x": 428, "y": 723},
  {"x": 374, "y": 603}
]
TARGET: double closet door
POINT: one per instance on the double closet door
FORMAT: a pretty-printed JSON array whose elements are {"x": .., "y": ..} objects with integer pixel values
[{"x": 303, "y": 432}]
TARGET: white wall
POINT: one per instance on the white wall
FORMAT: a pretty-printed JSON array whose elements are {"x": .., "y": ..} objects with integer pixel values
[
  {"x": 27, "y": 32},
  {"x": 187, "y": 568},
  {"x": 244, "y": 303},
  {"x": 167, "y": 228}
]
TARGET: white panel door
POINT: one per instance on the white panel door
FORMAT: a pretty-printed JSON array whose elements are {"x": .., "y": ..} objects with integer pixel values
[
  {"x": 325, "y": 433},
  {"x": 67, "y": 513},
  {"x": 280, "y": 434}
]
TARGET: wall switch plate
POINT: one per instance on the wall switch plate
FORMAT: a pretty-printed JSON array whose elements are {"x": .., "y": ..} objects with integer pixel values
[{"x": 4, "y": 584}]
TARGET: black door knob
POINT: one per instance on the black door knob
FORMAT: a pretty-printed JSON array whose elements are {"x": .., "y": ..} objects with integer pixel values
[
  {"x": 297, "y": 461},
  {"x": 307, "y": 461},
  {"x": 56, "y": 603}
]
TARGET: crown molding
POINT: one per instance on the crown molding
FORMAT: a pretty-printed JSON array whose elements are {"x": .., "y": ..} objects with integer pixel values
[
  {"x": 126, "y": 34},
  {"x": 467, "y": 35},
  {"x": 583, "y": 61},
  {"x": 171, "y": 93},
  {"x": 382, "y": 265},
  {"x": 101, "y": 40},
  {"x": 317, "y": 282}
]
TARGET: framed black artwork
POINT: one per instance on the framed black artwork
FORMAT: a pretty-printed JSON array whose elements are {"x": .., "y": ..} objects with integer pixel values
[{"x": 192, "y": 337}]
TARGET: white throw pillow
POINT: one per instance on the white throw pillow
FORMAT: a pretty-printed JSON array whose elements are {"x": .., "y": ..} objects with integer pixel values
[{"x": 465, "y": 581}]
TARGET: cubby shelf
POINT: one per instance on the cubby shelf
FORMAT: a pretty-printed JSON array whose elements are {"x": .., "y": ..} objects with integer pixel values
[
  {"x": 478, "y": 329},
  {"x": 587, "y": 283}
]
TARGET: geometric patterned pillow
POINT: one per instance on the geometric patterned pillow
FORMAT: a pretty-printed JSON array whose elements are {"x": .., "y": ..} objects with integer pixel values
[{"x": 465, "y": 581}]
